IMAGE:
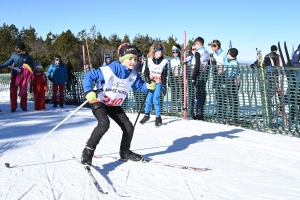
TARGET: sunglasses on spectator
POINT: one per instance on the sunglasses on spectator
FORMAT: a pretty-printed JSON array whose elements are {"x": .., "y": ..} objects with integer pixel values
[
  {"x": 175, "y": 52},
  {"x": 194, "y": 49},
  {"x": 57, "y": 59}
]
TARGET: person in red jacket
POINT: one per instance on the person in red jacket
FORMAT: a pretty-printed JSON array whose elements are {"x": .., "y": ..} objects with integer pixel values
[{"x": 39, "y": 87}]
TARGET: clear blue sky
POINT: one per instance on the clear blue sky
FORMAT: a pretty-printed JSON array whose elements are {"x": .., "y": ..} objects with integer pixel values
[{"x": 247, "y": 23}]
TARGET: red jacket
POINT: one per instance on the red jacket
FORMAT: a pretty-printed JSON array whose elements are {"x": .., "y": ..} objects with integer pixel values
[{"x": 39, "y": 83}]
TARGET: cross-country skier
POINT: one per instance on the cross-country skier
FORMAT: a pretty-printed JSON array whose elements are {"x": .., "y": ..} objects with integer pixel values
[{"x": 113, "y": 83}]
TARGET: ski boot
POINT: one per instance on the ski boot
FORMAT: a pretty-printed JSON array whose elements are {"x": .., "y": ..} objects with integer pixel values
[
  {"x": 158, "y": 121},
  {"x": 146, "y": 118},
  {"x": 87, "y": 155},
  {"x": 129, "y": 155},
  {"x": 55, "y": 104}
]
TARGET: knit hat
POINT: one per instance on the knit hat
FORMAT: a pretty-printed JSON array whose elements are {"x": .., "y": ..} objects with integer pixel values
[
  {"x": 126, "y": 51},
  {"x": 20, "y": 45},
  {"x": 38, "y": 65},
  {"x": 107, "y": 56},
  {"x": 273, "y": 48},
  {"x": 233, "y": 52}
]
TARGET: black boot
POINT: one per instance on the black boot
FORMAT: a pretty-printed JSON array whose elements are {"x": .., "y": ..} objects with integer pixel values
[
  {"x": 87, "y": 155},
  {"x": 129, "y": 155},
  {"x": 54, "y": 104},
  {"x": 198, "y": 117},
  {"x": 146, "y": 118},
  {"x": 158, "y": 121},
  {"x": 61, "y": 104}
]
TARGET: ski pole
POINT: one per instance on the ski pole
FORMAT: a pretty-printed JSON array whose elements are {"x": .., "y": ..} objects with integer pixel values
[
  {"x": 8, "y": 165},
  {"x": 141, "y": 109}
]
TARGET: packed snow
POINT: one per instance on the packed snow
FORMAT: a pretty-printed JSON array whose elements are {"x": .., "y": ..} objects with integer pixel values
[{"x": 243, "y": 164}]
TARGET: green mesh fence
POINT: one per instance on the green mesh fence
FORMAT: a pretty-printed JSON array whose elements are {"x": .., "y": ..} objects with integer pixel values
[{"x": 254, "y": 98}]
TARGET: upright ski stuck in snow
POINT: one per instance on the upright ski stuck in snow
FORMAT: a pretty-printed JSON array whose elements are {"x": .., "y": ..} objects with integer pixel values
[
  {"x": 197, "y": 169},
  {"x": 88, "y": 170}
]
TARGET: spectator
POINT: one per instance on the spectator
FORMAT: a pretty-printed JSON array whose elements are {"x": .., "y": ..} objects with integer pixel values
[
  {"x": 107, "y": 60},
  {"x": 232, "y": 85},
  {"x": 139, "y": 96},
  {"x": 295, "y": 89},
  {"x": 272, "y": 61},
  {"x": 39, "y": 86},
  {"x": 58, "y": 75},
  {"x": 219, "y": 58},
  {"x": 18, "y": 59},
  {"x": 176, "y": 79},
  {"x": 70, "y": 85},
  {"x": 156, "y": 70},
  {"x": 199, "y": 78}
]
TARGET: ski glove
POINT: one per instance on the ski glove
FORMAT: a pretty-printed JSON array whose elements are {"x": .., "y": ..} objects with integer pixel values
[
  {"x": 151, "y": 86},
  {"x": 164, "y": 91},
  {"x": 91, "y": 97}
]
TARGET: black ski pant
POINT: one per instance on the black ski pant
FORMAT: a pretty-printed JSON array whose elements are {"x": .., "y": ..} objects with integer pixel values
[
  {"x": 200, "y": 97},
  {"x": 102, "y": 112}
]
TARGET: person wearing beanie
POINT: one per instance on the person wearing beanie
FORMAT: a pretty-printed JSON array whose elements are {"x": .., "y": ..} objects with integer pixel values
[
  {"x": 199, "y": 79},
  {"x": 17, "y": 59},
  {"x": 176, "y": 79},
  {"x": 39, "y": 86},
  {"x": 273, "y": 63},
  {"x": 113, "y": 83},
  {"x": 232, "y": 85},
  {"x": 107, "y": 60},
  {"x": 57, "y": 73},
  {"x": 139, "y": 68},
  {"x": 156, "y": 70}
]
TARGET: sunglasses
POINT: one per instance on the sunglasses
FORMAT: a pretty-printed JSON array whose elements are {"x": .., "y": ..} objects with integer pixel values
[
  {"x": 57, "y": 59},
  {"x": 194, "y": 49},
  {"x": 175, "y": 52}
]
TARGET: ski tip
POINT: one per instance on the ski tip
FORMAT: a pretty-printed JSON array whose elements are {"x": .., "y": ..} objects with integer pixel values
[{"x": 7, "y": 165}]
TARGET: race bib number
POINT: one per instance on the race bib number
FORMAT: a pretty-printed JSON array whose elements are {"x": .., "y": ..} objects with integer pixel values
[{"x": 112, "y": 101}]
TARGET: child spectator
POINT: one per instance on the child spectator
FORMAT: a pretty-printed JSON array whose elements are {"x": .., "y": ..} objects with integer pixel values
[
  {"x": 57, "y": 73},
  {"x": 156, "y": 70},
  {"x": 39, "y": 86}
]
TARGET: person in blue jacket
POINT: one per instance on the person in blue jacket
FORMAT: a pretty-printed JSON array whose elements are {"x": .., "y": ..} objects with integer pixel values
[
  {"x": 113, "y": 83},
  {"x": 107, "y": 60},
  {"x": 17, "y": 59},
  {"x": 58, "y": 74}
]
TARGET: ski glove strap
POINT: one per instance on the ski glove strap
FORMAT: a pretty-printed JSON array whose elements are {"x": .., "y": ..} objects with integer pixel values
[{"x": 151, "y": 86}]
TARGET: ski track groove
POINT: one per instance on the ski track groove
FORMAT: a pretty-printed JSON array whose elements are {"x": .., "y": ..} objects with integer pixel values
[
  {"x": 48, "y": 177},
  {"x": 9, "y": 146},
  {"x": 9, "y": 190},
  {"x": 84, "y": 189},
  {"x": 128, "y": 172},
  {"x": 187, "y": 184},
  {"x": 27, "y": 192}
]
